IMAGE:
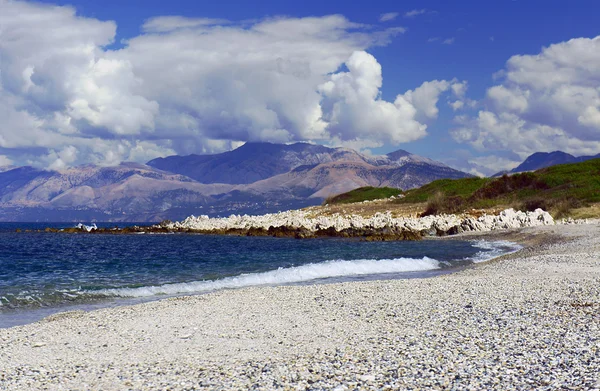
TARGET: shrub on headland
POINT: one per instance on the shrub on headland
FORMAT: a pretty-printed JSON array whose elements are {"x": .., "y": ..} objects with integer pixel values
[
  {"x": 559, "y": 189},
  {"x": 442, "y": 204},
  {"x": 361, "y": 194}
]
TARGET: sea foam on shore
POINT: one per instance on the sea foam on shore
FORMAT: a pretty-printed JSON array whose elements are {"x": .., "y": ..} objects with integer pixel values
[{"x": 282, "y": 276}]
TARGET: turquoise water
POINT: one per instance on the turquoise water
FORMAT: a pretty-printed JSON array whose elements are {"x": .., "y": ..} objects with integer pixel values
[{"x": 42, "y": 273}]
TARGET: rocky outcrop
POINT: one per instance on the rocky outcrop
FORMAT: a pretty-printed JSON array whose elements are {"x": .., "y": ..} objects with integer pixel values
[
  {"x": 382, "y": 225},
  {"x": 300, "y": 224}
]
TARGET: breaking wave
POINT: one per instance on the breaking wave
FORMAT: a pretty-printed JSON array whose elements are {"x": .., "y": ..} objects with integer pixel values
[
  {"x": 493, "y": 249},
  {"x": 296, "y": 274}
]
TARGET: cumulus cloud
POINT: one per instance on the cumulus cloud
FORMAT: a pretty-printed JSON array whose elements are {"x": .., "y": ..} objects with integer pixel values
[
  {"x": 480, "y": 164},
  {"x": 448, "y": 41},
  {"x": 186, "y": 85},
  {"x": 492, "y": 164},
  {"x": 60, "y": 89},
  {"x": 425, "y": 97},
  {"x": 487, "y": 165},
  {"x": 544, "y": 102},
  {"x": 354, "y": 110},
  {"x": 388, "y": 16}
]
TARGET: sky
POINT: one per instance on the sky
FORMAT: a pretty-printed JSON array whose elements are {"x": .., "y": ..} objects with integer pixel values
[{"x": 478, "y": 85}]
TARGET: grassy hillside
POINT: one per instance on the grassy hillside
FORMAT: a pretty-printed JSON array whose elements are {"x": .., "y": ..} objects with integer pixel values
[
  {"x": 363, "y": 194},
  {"x": 558, "y": 189}
]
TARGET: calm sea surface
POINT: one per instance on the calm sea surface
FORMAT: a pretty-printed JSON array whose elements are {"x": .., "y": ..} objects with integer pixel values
[{"x": 43, "y": 273}]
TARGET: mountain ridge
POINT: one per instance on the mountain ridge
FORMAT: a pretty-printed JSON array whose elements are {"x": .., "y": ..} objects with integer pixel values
[
  {"x": 138, "y": 192},
  {"x": 539, "y": 160}
]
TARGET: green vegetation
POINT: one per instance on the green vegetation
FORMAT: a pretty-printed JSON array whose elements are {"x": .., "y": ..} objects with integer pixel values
[
  {"x": 558, "y": 189},
  {"x": 448, "y": 187},
  {"x": 363, "y": 194}
]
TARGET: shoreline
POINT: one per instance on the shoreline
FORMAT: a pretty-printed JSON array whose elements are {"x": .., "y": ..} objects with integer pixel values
[
  {"x": 509, "y": 322},
  {"x": 28, "y": 315},
  {"x": 318, "y": 222}
]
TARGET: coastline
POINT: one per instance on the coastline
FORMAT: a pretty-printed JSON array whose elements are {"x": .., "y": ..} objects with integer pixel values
[
  {"x": 516, "y": 321},
  {"x": 322, "y": 221}
]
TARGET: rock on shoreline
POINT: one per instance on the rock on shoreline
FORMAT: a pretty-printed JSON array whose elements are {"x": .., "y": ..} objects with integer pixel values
[
  {"x": 302, "y": 224},
  {"x": 381, "y": 224}
]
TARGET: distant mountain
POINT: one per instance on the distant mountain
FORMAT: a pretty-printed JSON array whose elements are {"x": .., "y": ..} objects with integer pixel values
[
  {"x": 257, "y": 161},
  {"x": 328, "y": 179},
  {"x": 289, "y": 176},
  {"x": 547, "y": 159},
  {"x": 251, "y": 162},
  {"x": 128, "y": 192}
]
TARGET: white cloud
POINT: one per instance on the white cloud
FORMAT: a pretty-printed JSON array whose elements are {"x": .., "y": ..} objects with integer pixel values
[
  {"x": 354, "y": 111},
  {"x": 457, "y": 105},
  {"x": 388, "y": 16},
  {"x": 185, "y": 85},
  {"x": 425, "y": 97},
  {"x": 414, "y": 13},
  {"x": 495, "y": 163},
  {"x": 62, "y": 159},
  {"x": 59, "y": 87},
  {"x": 433, "y": 39},
  {"x": 448, "y": 41},
  {"x": 5, "y": 161},
  {"x": 545, "y": 102},
  {"x": 459, "y": 89},
  {"x": 510, "y": 100},
  {"x": 480, "y": 165}
]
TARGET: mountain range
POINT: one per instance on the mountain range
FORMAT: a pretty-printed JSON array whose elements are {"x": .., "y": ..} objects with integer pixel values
[
  {"x": 546, "y": 159},
  {"x": 255, "y": 178}
]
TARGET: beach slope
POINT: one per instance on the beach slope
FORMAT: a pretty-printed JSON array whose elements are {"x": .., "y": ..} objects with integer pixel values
[{"x": 529, "y": 320}]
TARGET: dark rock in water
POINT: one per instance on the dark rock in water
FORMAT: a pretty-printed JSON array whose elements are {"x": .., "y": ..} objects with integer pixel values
[
  {"x": 369, "y": 234},
  {"x": 256, "y": 232},
  {"x": 457, "y": 229},
  {"x": 327, "y": 232}
]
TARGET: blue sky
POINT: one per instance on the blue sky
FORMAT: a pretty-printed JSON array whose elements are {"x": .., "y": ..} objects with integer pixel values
[{"x": 506, "y": 113}]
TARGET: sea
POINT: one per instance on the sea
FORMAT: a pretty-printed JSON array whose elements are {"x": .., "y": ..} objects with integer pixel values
[{"x": 45, "y": 273}]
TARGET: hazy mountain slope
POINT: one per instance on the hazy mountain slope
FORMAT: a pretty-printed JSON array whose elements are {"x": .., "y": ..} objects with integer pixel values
[
  {"x": 328, "y": 179},
  {"x": 127, "y": 192},
  {"x": 547, "y": 159},
  {"x": 544, "y": 159},
  {"x": 137, "y": 192},
  {"x": 251, "y": 162}
]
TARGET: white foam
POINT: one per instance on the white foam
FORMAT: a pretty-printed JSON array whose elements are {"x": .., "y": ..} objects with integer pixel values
[
  {"x": 87, "y": 228},
  {"x": 309, "y": 272},
  {"x": 493, "y": 249}
]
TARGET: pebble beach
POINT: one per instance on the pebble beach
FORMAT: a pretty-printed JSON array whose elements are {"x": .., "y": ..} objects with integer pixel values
[{"x": 528, "y": 320}]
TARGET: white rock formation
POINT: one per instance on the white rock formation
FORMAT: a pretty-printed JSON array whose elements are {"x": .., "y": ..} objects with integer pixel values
[{"x": 508, "y": 218}]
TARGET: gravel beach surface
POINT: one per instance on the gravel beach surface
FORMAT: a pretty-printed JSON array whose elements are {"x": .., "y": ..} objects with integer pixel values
[{"x": 529, "y": 320}]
